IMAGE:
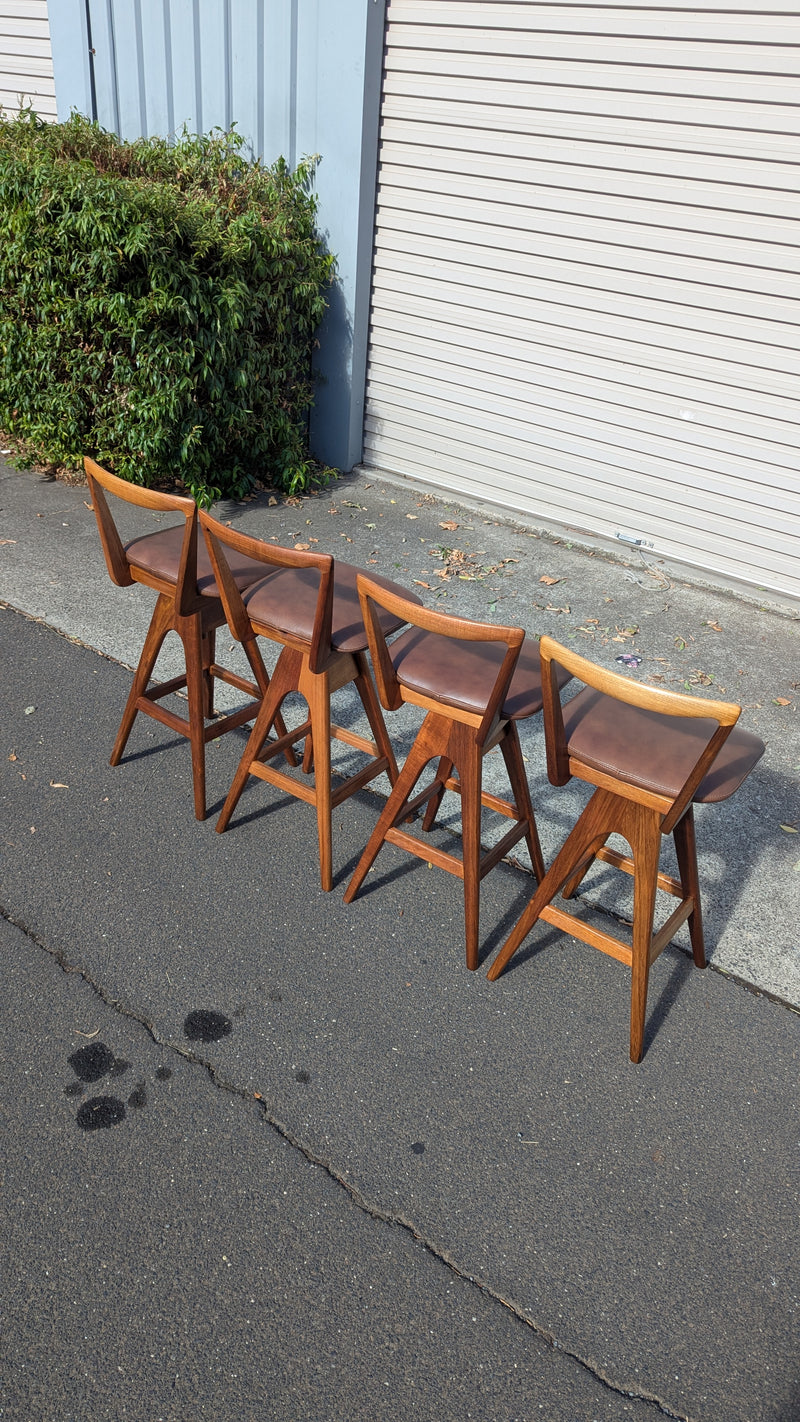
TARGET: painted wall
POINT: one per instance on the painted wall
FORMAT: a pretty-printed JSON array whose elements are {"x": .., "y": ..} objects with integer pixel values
[{"x": 297, "y": 77}]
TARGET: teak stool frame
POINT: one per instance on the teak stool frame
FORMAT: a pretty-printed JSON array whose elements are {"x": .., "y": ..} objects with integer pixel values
[
  {"x": 456, "y": 738},
  {"x": 640, "y": 815},
  {"x": 310, "y": 666},
  {"x": 180, "y": 608}
]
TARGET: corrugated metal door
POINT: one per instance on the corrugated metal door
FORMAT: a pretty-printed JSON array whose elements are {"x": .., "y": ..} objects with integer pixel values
[
  {"x": 26, "y": 61},
  {"x": 586, "y": 295}
]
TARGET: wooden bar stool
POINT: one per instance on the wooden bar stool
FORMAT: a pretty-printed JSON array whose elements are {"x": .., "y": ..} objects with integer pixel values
[
  {"x": 178, "y": 568},
  {"x": 309, "y": 605},
  {"x": 651, "y": 754},
  {"x": 475, "y": 681}
]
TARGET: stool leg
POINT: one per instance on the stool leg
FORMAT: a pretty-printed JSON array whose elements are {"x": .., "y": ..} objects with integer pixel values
[
  {"x": 369, "y": 700},
  {"x": 316, "y": 689},
  {"x": 645, "y": 842},
  {"x": 469, "y": 767},
  {"x": 190, "y": 631},
  {"x": 209, "y": 649},
  {"x": 425, "y": 747},
  {"x": 574, "y": 882},
  {"x": 284, "y": 680},
  {"x": 160, "y": 624},
  {"x": 515, "y": 766},
  {"x": 599, "y": 819},
  {"x": 443, "y": 772},
  {"x": 686, "y": 850}
]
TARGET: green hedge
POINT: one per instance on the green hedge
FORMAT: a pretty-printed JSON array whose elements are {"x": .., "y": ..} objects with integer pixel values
[{"x": 158, "y": 303}]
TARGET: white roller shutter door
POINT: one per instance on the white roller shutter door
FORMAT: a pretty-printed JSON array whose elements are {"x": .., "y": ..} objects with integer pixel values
[
  {"x": 586, "y": 291},
  {"x": 26, "y": 60}
]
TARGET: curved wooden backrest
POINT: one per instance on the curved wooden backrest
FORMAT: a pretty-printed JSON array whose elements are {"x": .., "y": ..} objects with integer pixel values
[
  {"x": 622, "y": 688},
  {"x": 101, "y": 481},
  {"x": 272, "y": 556},
  {"x": 443, "y": 624}
]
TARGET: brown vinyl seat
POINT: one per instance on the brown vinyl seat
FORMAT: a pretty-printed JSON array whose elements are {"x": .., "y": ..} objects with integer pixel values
[
  {"x": 309, "y": 604},
  {"x": 176, "y": 565},
  {"x": 651, "y": 754},
  {"x": 475, "y": 681}
]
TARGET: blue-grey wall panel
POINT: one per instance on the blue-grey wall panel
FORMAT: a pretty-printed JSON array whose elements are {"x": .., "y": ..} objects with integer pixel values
[
  {"x": 155, "y": 38},
  {"x": 70, "y": 44},
  {"x": 297, "y": 77},
  {"x": 185, "y": 71}
]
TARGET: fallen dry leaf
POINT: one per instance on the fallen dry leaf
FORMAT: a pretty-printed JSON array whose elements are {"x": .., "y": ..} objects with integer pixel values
[
  {"x": 58, "y": 785},
  {"x": 302, "y": 547},
  {"x": 13, "y": 755},
  {"x": 272, "y": 502},
  {"x": 88, "y": 506},
  {"x": 449, "y": 524},
  {"x": 412, "y": 515},
  {"x": 781, "y": 700},
  {"x": 419, "y": 583},
  {"x": 545, "y": 578},
  {"x": 7, "y": 540},
  {"x": 789, "y": 829},
  {"x": 715, "y": 627}
]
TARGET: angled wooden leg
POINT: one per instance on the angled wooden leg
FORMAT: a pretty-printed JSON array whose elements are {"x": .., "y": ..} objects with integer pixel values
[
  {"x": 468, "y": 761},
  {"x": 190, "y": 631},
  {"x": 515, "y": 767},
  {"x": 256, "y": 662},
  {"x": 209, "y": 648},
  {"x": 443, "y": 772},
  {"x": 645, "y": 842},
  {"x": 315, "y": 688},
  {"x": 572, "y": 885},
  {"x": 369, "y": 700},
  {"x": 596, "y": 823},
  {"x": 160, "y": 624},
  {"x": 686, "y": 850},
  {"x": 427, "y": 745},
  {"x": 284, "y": 680}
]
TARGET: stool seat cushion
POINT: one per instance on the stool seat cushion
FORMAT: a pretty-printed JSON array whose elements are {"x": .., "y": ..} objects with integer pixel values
[
  {"x": 287, "y": 601},
  {"x": 462, "y": 674},
  {"x": 653, "y": 751},
  {"x": 160, "y": 554}
]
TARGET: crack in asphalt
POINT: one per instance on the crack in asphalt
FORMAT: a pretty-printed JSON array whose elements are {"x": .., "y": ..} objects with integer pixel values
[{"x": 372, "y": 1210}]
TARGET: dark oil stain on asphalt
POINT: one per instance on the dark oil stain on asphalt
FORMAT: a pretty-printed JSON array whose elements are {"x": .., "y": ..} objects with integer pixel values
[
  {"x": 303, "y": 1076},
  {"x": 418, "y": 1148},
  {"x": 101, "y": 1113},
  {"x": 205, "y": 1026},
  {"x": 92, "y": 1062},
  {"x": 96, "y": 1060}
]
